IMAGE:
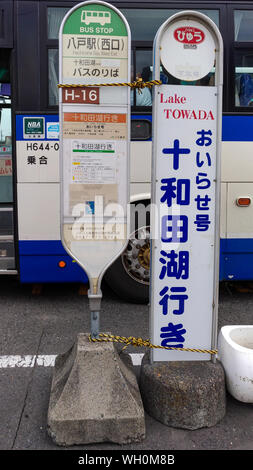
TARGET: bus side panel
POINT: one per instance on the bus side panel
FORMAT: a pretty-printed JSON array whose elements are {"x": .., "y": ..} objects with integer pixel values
[
  {"x": 39, "y": 262},
  {"x": 236, "y": 262},
  {"x": 38, "y": 203},
  {"x": 38, "y": 193},
  {"x": 236, "y": 259}
]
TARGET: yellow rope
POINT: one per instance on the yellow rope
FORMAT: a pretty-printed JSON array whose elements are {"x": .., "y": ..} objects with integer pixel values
[
  {"x": 139, "y": 342},
  {"x": 138, "y": 84}
]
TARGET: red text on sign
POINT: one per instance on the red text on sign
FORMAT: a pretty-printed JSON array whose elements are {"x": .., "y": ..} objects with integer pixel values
[
  {"x": 199, "y": 114},
  {"x": 173, "y": 99}
]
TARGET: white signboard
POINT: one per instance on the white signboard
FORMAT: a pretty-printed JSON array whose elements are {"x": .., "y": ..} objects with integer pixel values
[
  {"x": 94, "y": 135},
  {"x": 185, "y": 194},
  {"x": 185, "y": 214}
]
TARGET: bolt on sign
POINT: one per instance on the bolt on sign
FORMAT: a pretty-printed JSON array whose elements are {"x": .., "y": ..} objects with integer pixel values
[
  {"x": 186, "y": 184},
  {"x": 94, "y": 135}
]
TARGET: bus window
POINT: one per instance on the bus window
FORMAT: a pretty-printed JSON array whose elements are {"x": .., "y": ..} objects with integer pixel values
[
  {"x": 4, "y": 66},
  {"x": 144, "y": 65},
  {"x": 243, "y": 32},
  {"x": 5, "y": 155},
  {"x": 243, "y": 78},
  {"x": 53, "y": 74},
  {"x": 6, "y": 192},
  {"x": 143, "y": 69},
  {"x": 7, "y": 257},
  {"x": 243, "y": 25},
  {"x": 144, "y": 23},
  {"x": 54, "y": 18}
]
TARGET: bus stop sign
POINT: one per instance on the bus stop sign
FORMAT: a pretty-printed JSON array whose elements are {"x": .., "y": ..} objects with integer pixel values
[
  {"x": 94, "y": 44},
  {"x": 186, "y": 186}
]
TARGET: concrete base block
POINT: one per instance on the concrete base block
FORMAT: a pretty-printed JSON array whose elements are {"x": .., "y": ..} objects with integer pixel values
[
  {"x": 187, "y": 394},
  {"x": 94, "y": 397}
]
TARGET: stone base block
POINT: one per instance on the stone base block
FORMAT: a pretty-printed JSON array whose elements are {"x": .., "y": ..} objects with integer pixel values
[
  {"x": 187, "y": 394},
  {"x": 94, "y": 397}
]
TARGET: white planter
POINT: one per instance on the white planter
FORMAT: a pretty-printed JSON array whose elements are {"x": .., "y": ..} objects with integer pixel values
[{"x": 235, "y": 351}]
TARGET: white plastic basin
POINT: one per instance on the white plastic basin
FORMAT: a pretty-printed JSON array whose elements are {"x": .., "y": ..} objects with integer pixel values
[{"x": 235, "y": 351}]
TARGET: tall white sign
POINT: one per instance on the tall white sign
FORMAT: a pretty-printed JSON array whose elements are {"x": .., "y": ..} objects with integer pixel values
[{"x": 186, "y": 168}]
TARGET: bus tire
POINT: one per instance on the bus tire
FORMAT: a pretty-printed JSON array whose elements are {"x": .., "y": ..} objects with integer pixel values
[
  {"x": 124, "y": 286},
  {"x": 128, "y": 276}
]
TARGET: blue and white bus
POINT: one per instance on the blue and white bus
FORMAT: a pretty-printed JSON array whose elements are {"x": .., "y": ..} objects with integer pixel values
[{"x": 30, "y": 245}]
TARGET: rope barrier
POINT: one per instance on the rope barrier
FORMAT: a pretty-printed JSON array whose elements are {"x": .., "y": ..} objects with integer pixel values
[
  {"x": 138, "y": 84},
  {"x": 139, "y": 342}
]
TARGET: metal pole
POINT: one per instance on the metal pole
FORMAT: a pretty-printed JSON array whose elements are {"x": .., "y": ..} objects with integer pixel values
[
  {"x": 94, "y": 324},
  {"x": 95, "y": 307}
]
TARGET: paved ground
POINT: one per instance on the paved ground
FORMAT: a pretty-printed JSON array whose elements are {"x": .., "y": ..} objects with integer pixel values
[{"x": 47, "y": 324}]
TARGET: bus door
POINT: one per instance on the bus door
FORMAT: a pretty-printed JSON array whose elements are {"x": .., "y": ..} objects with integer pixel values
[{"x": 7, "y": 251}]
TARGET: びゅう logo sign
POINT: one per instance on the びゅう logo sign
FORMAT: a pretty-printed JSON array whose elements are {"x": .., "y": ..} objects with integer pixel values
[{"x": 189, "y": 35}]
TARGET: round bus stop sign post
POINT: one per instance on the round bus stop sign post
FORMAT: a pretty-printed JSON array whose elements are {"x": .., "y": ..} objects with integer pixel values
[
  {"x": 94, "y": 144},
  {"x": 94, "y": 50},
  {"x": 187, "y": 113}
]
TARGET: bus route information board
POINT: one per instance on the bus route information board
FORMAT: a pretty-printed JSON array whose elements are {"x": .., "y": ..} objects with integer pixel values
[{"x": 94, "y": 51}]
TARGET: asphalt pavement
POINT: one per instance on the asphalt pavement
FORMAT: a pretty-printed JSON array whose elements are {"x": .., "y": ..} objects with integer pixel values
[{"x": 36, "y": 325}]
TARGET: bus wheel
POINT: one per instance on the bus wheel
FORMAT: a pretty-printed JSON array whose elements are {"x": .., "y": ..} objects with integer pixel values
[{"x": 128, "y": 276}]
